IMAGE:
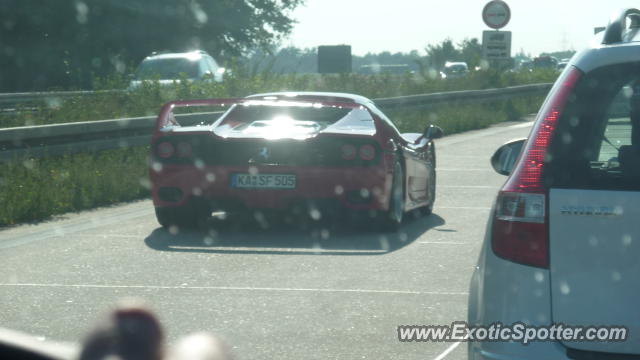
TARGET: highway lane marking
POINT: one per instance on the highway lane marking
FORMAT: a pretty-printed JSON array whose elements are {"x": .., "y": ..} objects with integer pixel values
[
  {"x": 240, "y": 288},
  {"x": 107, "y": 236},
  {"x": 523, "y": 125},
  {"x": 448, "y": 351},
  {"x": 66, "y": 228},
  {"x": 467, "y": 136}
]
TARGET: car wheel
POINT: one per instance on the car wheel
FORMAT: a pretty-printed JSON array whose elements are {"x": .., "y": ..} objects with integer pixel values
[
  {"x": 431, "y": 184},
  {"x": 392, "y": 218}
]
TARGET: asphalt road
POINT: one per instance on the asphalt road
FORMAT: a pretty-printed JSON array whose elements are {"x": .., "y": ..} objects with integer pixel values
[{"x": 275, "y": 294}]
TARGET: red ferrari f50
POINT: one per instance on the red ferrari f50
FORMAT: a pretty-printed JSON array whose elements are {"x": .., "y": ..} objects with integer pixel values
[{"x": 284, "y": 151}]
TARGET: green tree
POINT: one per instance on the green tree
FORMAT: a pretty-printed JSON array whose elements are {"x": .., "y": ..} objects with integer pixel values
[
  {"x": 440, "y": 53},
  {"x": 65, "y": 43},
  {"x": 471, "y": 52}
]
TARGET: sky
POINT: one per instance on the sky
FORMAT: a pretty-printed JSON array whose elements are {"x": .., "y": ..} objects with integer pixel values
[{"x": 404, "y": 25}]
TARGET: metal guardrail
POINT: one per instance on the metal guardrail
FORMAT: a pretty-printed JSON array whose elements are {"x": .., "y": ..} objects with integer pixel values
[
  {"x": 13, "y": 100},
  {"x": 85, "y": 136},
  {"x": 463, "y": 97},
  {"x": 88, "y": 136}
]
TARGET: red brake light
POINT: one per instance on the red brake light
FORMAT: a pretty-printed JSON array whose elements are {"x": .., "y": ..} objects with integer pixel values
[
  {"x": 165, "y": 150},
  {"x": 520, "y": 229},
  {"x": 527, "y": 175},
  {"x": 348, "y": 152},
  {"x": 367, "y": 152}
]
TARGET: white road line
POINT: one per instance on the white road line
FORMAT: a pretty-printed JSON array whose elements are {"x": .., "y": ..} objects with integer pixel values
[
  {"x": 67, "y": 228},
  {"x": 107, "y": 236},
  {"x": 523, "y": 125},
  {"x": 449, "y": 350},
  {"x": 240, "y": 288}
]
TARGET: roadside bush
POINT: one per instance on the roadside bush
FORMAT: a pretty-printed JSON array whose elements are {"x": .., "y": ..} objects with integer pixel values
[{"x": 35, "y": 189}]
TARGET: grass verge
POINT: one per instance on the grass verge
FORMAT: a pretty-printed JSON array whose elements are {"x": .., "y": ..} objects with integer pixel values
[{"x": 36, "y": 189}]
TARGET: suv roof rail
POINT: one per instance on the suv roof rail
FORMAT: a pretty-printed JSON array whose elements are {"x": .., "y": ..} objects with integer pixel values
[{"x": 618, "y": 24}]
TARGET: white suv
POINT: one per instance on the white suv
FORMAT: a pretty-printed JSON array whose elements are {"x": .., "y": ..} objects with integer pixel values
[
  {"x": 563, "y": 243},
  {"x": 168, "y": 68}
]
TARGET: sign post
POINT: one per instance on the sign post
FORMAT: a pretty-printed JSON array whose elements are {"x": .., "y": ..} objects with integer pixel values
[{"x": 496, "y": 45}]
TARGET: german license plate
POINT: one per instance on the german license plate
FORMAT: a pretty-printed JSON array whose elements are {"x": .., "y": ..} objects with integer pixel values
[{"x": 263, "y": 181}]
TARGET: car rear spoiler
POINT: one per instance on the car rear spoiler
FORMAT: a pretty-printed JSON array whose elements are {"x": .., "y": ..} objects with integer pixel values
[{"x": 166, "y": 118}]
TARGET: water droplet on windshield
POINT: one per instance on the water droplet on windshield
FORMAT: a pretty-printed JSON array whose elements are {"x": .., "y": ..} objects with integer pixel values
[
  {"x": 616, "y": 276},
  {"x": 208, "y": 240},
  {"x": 315, "y": 214},
  {"x": 538, "y": 276},
  {"x": 82, "y": 12}
]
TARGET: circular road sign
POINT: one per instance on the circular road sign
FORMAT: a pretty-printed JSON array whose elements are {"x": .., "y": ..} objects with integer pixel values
[{"x": 496, "y": 14}]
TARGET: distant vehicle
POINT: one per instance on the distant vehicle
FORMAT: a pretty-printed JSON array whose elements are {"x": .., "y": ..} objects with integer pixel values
[
  {"x": 454, "y": 70},
  {"x": 168, "y": 68},
  {"x": 524, "y": 65},
  {"x": 545, "y": 62},
  {"x": 562, "y": 65},
  {"x": 561, "y": 245},
  {"x": 317, "y": 153}
]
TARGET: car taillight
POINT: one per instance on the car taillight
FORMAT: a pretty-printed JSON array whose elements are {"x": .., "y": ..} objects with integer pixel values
[
  {"x": 520, "y": 227},
  {"x": 367, "y": 152},
  {"x": 184, "y": 149},
  {"x": 165, "y": 150},
  {"x": 348, "y": 152}
]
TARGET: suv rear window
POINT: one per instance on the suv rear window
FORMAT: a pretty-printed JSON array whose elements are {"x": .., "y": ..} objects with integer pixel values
[
  {"x": 169, "y": 68},
  {"x": 597, "y": 143}
]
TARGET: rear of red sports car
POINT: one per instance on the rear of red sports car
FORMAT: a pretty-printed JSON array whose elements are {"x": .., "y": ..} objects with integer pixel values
[{"x": 270, "y": 155}]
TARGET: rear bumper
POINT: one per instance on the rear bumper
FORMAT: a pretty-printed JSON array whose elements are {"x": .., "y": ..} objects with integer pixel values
[
  {"x": 354, "y": 188},
  {"x": 506, "y": 292}
]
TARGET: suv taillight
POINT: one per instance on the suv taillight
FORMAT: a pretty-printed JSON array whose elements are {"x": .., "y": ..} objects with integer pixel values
[{"x": 520, "y": 226}]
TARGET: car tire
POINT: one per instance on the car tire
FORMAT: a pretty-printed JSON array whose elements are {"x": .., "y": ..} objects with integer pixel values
[
  {"x": 431, "y": 185},
  {"x": 391, "y": 219}
]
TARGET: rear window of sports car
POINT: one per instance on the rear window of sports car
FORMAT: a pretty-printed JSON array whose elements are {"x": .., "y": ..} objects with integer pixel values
[{"x": 242, "y": 115}]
